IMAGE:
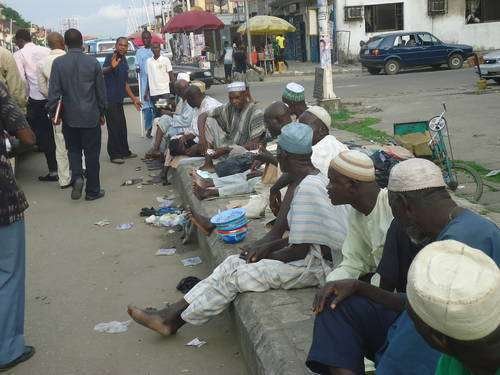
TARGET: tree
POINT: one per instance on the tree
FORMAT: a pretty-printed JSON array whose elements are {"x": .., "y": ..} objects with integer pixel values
[{"x": 10, "y": 13}]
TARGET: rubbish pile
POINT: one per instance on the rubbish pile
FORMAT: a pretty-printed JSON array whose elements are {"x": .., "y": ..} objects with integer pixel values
[{"x": 166, "y": 215}]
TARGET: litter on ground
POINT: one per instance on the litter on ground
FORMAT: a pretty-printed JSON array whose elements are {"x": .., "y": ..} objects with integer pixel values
[
  {"x": 125, "y": 226},
  {"x": 166, "y": 251},
  {"x": 196, "y": 342},
  {"x": 103, "y": 223},
  {"x": 112, "y": 327},
  {"x": 190, "y": 262}
]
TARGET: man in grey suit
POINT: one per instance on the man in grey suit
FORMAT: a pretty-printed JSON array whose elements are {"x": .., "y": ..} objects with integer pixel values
[{"x": 77, "y": 79}]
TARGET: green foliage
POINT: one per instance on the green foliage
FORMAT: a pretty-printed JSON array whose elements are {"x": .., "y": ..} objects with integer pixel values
[
  {"x": 10, "y": 13},
  {"x": 482, "y": 171},
  {"x": 361, "y": 127}
]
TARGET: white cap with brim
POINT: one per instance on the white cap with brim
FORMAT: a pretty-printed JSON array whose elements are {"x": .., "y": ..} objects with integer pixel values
[
  {"x": 415, "y": 174},
  {"x": 455, "y": 290},
  {"x": 354, "y": 165},
  {"x": 236, "y": 87}
]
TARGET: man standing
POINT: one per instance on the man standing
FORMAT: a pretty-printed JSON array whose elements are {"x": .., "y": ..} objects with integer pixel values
[
  {"x": 77, "y": 79},
  {"x": 228, "y": 61},
  {"x": 56, "y": 44},
  {"x": 12, "y": 236},
  {"x": 160, "y": 74},
  {"x": 141, "y": 57},
  {"x": 27, "y": 59},
  {"x": 9, "y": 76},
  {"x": 280, "y": 39},
  {"x": 115, "y": 70}
]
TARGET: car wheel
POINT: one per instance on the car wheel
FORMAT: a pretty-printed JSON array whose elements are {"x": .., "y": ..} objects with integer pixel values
[
  {"x": 455, "y": 61},
  {"x": 392, "y": 67},
  {"x": 374, "y": 71}
]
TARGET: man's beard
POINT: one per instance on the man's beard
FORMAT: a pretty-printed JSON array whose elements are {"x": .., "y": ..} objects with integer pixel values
[{"x": 417, "y": 236}]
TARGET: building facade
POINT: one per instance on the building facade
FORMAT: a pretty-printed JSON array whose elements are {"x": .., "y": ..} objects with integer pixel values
[{"x": 473, "y": 22}]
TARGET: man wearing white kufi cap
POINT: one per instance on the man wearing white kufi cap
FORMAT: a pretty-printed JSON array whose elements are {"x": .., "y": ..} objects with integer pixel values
[
  {"x": 378, "y": 319},
  {"x": 294, "y": 97},
  {"x": 239, "y": 122},
  {"x": 454, "y": 300}
]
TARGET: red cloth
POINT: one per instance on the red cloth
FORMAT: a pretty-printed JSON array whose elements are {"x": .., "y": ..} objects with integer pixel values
[
  {"x": 137, "y": 38},
  {"x": 193, "y": 21}
]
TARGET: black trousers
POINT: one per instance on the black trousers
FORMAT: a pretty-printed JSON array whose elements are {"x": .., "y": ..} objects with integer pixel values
[
  {"x": 117, "y": 131},
  {"x": 228, "y": 71},
  {"x": 42, "y": 127},
  {"x": 87, "y": 140}
]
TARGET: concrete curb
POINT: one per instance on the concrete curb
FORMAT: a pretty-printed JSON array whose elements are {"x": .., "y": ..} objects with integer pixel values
[{"x": 275, "y": 327}]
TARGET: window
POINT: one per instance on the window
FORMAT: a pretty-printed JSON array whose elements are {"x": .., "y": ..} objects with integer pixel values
[
  {"x": 384, "y": 17},
  {"x": 478, "y": 11},
  {"x": 437, "y": 7}
]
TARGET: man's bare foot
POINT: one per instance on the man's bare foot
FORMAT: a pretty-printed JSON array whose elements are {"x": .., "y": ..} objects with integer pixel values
[
  {"x": 204, "y": 193},
  {"x": 201, "y": 222},
  {"x": 153, "y": 154},
  {"x": 202, "y": 182},
  {"x": 208, "y": 165},
  {"x": 166, "y": 321}
]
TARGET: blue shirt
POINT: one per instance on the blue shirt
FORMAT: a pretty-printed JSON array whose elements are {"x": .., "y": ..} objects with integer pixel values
[
  {"x": 406, "y": 352},
  {"x": 141, "y": 57},
  {"x": 116, "y": 80}
]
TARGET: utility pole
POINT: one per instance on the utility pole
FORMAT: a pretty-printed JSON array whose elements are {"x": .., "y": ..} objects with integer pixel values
[
  {"x": 249, "y": 37},
  {"x": 330, "y": 100}
]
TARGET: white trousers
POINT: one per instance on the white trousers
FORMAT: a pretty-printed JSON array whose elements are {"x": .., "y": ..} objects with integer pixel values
[
  {"x": 233, "y": 276},
  {"x": 61, "y": 157}
]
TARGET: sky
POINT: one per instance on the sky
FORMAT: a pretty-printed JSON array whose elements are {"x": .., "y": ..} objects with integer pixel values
[{"x": 96, "y": 17}]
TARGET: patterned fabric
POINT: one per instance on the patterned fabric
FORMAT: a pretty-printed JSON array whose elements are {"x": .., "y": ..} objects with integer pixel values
[
  {"x": 9, "y": 75},
  {"x": 239, "y": 127},
  {"x": 12, "y": 200}
]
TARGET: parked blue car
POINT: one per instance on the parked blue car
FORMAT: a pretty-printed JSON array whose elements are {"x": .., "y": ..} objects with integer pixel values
[{"x": 391, "y": 52}]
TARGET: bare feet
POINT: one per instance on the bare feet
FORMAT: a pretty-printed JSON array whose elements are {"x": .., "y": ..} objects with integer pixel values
[
  {"x": 204, "y": 193},
  {"x": 201, "y": 222},
  {"x": 208, "y": 165},
  {"x": 153, "y": 154},
  {"x": 166, "y": 321}
]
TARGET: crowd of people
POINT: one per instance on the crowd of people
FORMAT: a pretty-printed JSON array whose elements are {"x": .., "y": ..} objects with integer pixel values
[{"x": 405, "y": 277}]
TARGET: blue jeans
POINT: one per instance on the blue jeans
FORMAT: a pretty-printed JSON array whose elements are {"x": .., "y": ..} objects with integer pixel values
[
  {"x": 12, "y": 274},
  {"x": 148, "y": 114}
]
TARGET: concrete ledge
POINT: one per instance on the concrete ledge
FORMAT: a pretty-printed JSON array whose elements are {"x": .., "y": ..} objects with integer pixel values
[{"x": 275, "y": 327}]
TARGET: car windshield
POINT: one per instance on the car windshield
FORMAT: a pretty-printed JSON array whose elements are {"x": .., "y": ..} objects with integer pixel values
[{"x": 374, "y": 43}]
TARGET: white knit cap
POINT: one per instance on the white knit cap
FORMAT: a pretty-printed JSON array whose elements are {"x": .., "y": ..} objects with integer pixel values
[
  {"x": 236, "y": 87},
  {"x": 355, "y": 165},
  {"x": 295, "y": 87},
  {"x": 320, "y": 113},
  {"x": 184, "y": 76},
  {"x": 455, "y": 289},
  {"x": 415, "y": 174}
]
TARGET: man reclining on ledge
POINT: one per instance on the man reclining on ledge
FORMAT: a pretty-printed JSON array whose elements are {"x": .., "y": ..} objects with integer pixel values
[{"x": 316, "y": 231}]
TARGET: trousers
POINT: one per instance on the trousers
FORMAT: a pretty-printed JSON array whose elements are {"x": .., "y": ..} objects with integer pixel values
[
  {"x": 12, "y": 285},
  {"x": 88, "y": 141},
  {"x": 61, "y": 157},
  {"x": 42, "y": 127},
  {"x": 117, "y": 131},
  {"x": 234, "y": 275}
]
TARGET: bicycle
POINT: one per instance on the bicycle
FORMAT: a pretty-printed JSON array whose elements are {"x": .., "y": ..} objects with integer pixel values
[{"x": 460, "y": 178}]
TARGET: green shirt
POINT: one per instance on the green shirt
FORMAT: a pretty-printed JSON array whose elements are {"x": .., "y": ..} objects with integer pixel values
[{"x": 451, "y": 366}]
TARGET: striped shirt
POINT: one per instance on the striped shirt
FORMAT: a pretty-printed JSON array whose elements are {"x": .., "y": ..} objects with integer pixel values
[
  {"x": 313, "y": 219},
  {"x": 239, "y": 126}
]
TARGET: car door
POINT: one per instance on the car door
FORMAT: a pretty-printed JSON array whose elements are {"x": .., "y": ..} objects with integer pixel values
[
  {"x": 407, "y": 49},
  {"x": 432, "y": 53}
]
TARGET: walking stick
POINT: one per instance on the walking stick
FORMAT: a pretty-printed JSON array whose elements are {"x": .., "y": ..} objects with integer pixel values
[{"x": 140, "y": 112}]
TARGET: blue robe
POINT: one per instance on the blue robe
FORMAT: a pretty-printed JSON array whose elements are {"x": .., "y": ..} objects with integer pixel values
[{"x": 141, "y": 57}]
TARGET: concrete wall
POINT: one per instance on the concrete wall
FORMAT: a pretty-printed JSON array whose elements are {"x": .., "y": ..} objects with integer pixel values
[{"x": 449, "y": 27}]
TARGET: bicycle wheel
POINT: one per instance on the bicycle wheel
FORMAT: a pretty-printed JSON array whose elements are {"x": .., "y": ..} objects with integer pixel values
[{"x": 469, "y": 183}]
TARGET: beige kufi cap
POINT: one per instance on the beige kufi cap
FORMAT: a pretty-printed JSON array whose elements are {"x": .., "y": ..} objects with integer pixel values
[
  {"x": 236, "y": 86},
  {"x": 355, "y": 165},
  {"x": 201, "y": 85},
  {"x": 455, "y": 289},
  {"x": 415, "y": 174},
  {"x": 320, "y": 113}
]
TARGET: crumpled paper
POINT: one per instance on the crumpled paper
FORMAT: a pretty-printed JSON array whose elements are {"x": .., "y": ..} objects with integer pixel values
[{"x": 112, "y": 327}]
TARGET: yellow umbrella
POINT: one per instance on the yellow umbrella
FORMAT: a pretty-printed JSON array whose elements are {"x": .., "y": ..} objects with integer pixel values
[{"x": 265, "y": 25}]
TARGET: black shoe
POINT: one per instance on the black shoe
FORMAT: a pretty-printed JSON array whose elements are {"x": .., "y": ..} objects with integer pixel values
[
  {"x": 29, "y": 351},
  {"x": 148, "y": 134},
  {"x": 94, "y": 197},
  {"x": 130, "y": 156},
  {"x": 77, "y": 189},
  {"x": 118, "y": 161},
  {"x": 49, "y": 178}
]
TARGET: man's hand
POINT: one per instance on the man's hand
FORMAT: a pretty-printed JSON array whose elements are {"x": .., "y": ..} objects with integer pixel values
[
  {"x": 187, "y": 137},
  {"x": 275, "y": 201},
  {"x": 137, "y": 104},
  {"x": 115, "y": 61},
  {"x": 102, "y": 120},
  {"x": 341, "y": 289}
]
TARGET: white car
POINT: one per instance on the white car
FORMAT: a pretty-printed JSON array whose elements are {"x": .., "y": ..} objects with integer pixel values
[{"x": 490, "y": 69}]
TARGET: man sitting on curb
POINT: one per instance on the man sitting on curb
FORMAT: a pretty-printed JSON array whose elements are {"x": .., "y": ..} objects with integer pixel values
[
  {"x": 171, "y": 124},
  {"x": 356, "y": 319},
  {"x": 294, "y": 97},
  {"x": 449, "y": 273},
  {"x": 316, "y": 231}
]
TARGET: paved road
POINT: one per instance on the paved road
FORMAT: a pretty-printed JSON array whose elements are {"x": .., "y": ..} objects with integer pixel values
[
  {"x": 416, "y": 95},
  {"x": 79, "y": 275}
]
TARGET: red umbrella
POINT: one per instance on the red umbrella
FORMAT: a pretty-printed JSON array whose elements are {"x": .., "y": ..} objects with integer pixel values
[
  {"x": 137, "y": 38},
  {"x": 193, "y": 21}
]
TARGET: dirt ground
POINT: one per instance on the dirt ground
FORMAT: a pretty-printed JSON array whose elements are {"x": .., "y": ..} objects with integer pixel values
[{"x": 79, "y": 275}]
